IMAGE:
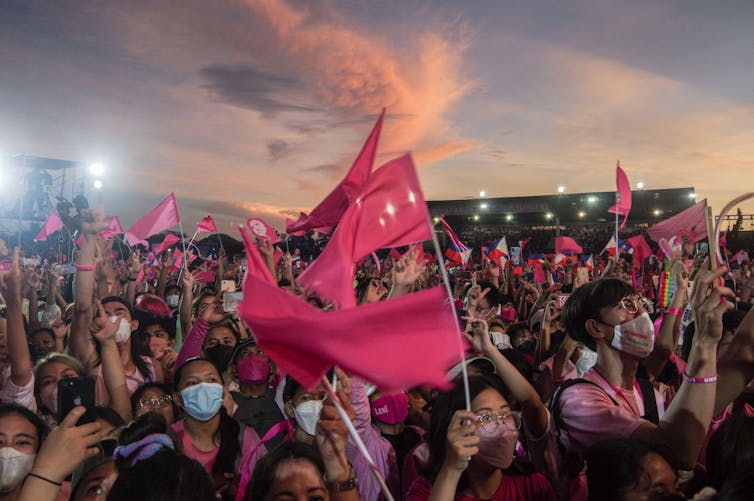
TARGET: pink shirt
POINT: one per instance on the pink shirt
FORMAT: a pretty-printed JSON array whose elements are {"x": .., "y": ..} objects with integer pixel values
[
  {"x": 534, "y": 487},
  {"x": 133, "y": 381},
  {"x": 589, "y": 415}
]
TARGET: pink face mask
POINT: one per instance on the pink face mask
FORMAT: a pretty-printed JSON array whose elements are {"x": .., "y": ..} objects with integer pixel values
[
  {"x": 508, "y": 313},
  {"x": 496, "y": 446},
  {"x": 390, "y": 409},
  {"x": 254, "y": 369}
]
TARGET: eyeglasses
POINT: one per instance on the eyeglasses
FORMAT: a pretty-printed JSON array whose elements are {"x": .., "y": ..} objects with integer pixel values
[
  {"x": 632, "y": 304},
  {"x": 490, "y": 421},
  {"x": 162, "y": 401}
]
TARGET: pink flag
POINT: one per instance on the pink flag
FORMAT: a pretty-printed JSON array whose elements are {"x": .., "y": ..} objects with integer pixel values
[
  {"x": 395, "y": 254},
  {"x": 331, "y": 209},
  {"x": 168, "y": 241},
  {"x": 641, "y": 250},
  {"x": 205, "y": 277},
  {"x": 567, "y": 245},
  {"x": 262, "y": 230},
  {"x": 113, "y": 228},
  {"x": 622, "y": 195},
  {"x": 691, "y": 220},
  {"x": 53, "y": 224},
  {"x": 177, "y": 258},
  {"x": 398, "y": 343},
  {"x": 389, "y": 212},
  {"x": 290, "y": 222},
  {"x": 206, "y": 225},
  {"x": 158, "y": 219}
]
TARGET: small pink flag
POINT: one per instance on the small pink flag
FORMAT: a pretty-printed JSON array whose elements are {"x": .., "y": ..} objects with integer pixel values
[
  {"x": 290, "y": 222},
  {"x": 622, "y": 195},
  {"x": 52, "y": 224},
  {"x": 567, "y": 245},
  {"x": 262, "y": 230},
  {"x": 167, "y": 242},
  {"x": 398, "y": 343},
  {"x": 205, "y": 277},
  {"x": 113, "y": 228},
  {"x": 389, "y": 212},
  {"x": 331, "y": 209},
  {"x": 177, "y": 259},
  {"x": 206, "y": 225},
  {"x": 162, "y": 217},
  {"x": 641, "y": 249}
]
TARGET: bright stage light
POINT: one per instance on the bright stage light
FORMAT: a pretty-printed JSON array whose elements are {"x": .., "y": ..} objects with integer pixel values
[
  {"x": 591, "y": 200},
  {"x": 436, "y": 219},
  {"x": 548, "y": 215},
  {"x": 476, "y": 217},
  {"x": 482, "y": 194},
  {"x": 692, "y": 195},
  {"x": 483, "y": 206},
  {"x": 640, "y": 185},
  {"x": 561, "y": 189},
  {"x": 582, "y": 213},
  {"x": 509, "y": 217},
  {"x": 97, "y": 169},
  {"x": 97, "y": 184}
]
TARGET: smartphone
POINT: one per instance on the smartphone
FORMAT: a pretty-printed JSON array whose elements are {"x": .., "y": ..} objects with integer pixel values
[
  {"x": 228, "y": 286},
  {"x": 231, "y": 300},
  {"x": 74, "y": 392}
]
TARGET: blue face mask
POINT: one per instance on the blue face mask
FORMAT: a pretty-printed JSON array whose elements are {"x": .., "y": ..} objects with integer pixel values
[{"x": 202, "y": 401}]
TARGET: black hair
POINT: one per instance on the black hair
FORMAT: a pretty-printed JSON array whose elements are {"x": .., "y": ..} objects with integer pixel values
[
  {"x": 614, "y": 466},
  {"x": 42, "y": 329},
  {"x": 136, "y": 396},
  {"x": 104, "y": 413},
  {"x": 738, "y": 485},
  {"x": 172, "y": 287},
  {"x": 17, "y": 410},
  {"x": 586, "y": 302},
  {"x": 266, "y": 469},
  {"x": 228, "y": 430},
  {"x": 445, "y": 405},
  {"x": 118, "y": 299},
  {"x": 517, "y": 330},
  {"x": 494, "y": 297},
  {"x": 292, "y": 386},
  {"x": 136, "y": 346},
  {"x": 198, "y": 301},
  {"x": 166, "y": 475},
  {"x": 229, "y": 325},
  {"x": 519, "y": 361},
  {"x": 363, "y": 287},
  {"x": 729, "y": 448}
]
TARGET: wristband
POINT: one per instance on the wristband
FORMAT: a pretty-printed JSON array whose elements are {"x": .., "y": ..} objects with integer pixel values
[
  {"x": 673, "y": 311},
  {"x": 85, "y": 267},
  {"x": 40, "y": 477},
  {"x": 708, "y": 379}
]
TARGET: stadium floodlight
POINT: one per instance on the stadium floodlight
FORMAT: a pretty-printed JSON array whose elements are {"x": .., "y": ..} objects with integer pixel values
[
  {"x": 561, "y": 189},
  {"x": 509, "y": 217},
  {"x": 582, "y": 213},
  {"x": 640, "y": 185},
  {"x": 657, "y": 212},
  {"x": 482, "y": 194},
  {"x": 591, "y": 199},
  {"x": 548, "y": 215},
  {"x": 692, "y": 195},
  {"x": 483, "y": 206},
  {"x": 97, "y": 169},
  {"x": 97, "y": 184},
  {"x": 435, "y": 219},
  {"x": 476, "y": 217}
]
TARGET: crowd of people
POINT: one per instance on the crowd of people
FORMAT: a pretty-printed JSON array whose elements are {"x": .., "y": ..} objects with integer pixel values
[{"x": 130, "y": 379}]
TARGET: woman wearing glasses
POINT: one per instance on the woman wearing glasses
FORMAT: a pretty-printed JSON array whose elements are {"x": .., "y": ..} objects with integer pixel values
[{"x": 473, "y": 452}]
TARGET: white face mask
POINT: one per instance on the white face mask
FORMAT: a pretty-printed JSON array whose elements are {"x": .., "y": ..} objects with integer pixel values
[
  {"x": 172, "y": 300},
  {"x": 587, "y": 359},
  {"x": 49, "y": 397},
  {"x": 307, "y": 416},
  {"x": 124, "y": 330},
  {"x": 501, "y": 340},
  {"x": 635, "y": 337},
  {"x": 14, "y": 466}
]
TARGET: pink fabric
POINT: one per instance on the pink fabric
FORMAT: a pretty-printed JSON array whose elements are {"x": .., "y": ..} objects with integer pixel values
[
  {"x": 206, "y": 225},
  {"x": 692, "y": 219},
  {"x": 169, "y": 240},
  {"x": 567, "y": 245},
  {"x": 622, "y": 195},
  {"x": 192, "y": 343},
  {"x": 158, "y": 219},
  {"x": 389, "y": 212},
  {"x": 512, "y": 488},
  {"x": 262, "y": 230},
  {"x": 395, "y": 344},
  {"x": 331, "y": 209},
  {"x": 52, "y": 224},
  {"x": 642, "y": 250},
  {"x": 590, "y": 416},
  {"x": 133, "y": 381},
  {"x": 113, "y": 228}
]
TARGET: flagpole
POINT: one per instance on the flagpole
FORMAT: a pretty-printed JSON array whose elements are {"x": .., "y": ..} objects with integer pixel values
[
  {"x": 617, "y": 247},
  {"x": 446, "y": 281},
  {"x": 185, "y": 254}
]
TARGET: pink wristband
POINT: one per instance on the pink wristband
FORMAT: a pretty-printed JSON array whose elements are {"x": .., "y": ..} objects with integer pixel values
[
  {"x": 708, "y": 379},
  {"x": 82, "y": 267},
  {"x": 673, "y": 311}
]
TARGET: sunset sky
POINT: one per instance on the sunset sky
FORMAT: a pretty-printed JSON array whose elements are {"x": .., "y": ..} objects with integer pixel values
[{"x": 257, "y": 107}]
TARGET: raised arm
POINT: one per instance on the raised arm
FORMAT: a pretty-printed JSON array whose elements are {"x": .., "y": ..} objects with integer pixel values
[
  {"x": 18, "y": 348},
  {"x": 187, "y": 300}
]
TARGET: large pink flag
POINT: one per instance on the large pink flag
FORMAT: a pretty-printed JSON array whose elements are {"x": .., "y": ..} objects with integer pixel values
[
  {"x": 567, "y": 245},
  {"x": 52, "y": 224},
  {"x": 692, "y": 221},
  {"x": 622, "y": 195},
  {"x": 162, "y": 217},
  {"x": 169, "y": 240},
  {"x": 398, "y": 343},
  {"x": 206, "y": 225},
  {"x": 389, "y": 212},
  {"x": 331, "y": 209}
]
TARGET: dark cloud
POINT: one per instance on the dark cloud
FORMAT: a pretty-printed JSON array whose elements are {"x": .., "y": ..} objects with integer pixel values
[
  {"x": 249, "y": 87},
  {"x": 279, "y": 149}
]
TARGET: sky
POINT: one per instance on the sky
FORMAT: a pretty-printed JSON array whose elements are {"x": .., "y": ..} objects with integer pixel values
[{"x": 258, "y": 107}]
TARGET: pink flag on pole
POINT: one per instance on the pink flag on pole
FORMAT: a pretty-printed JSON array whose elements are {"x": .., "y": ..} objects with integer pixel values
[
  {"x": 641, "y": 249},
  {"x": 113, "y": 228},
  {"x": 262, "y": 230},
  {"x": 622, "y": 195},
  {"x": 364, "y": 340},
  {"x": 691, "y": 220},
  {"x": 168, "y": 241},
  {"x": 331, "y": 209},
  {"x": 206, "y": 225},
  {"x": 567, "y": 245},
  {"x": 52, "y": 224},
  {"x": 290, "y": 222},
  {"x": 158, "y": 219},
  {"x": 389, "y": 212}
]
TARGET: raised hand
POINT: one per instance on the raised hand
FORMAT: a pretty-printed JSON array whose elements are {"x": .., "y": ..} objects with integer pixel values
[
  {"x": 462, "y": 440},
  {"x": 407, "y": 270},
  {"x": 91, "y": 222},
  {"x": 11, "y": 280},
  {"x": 108, "y": 327},
  {"x": 707, "y": 304},
  {"x": 480, "y": 335}
]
